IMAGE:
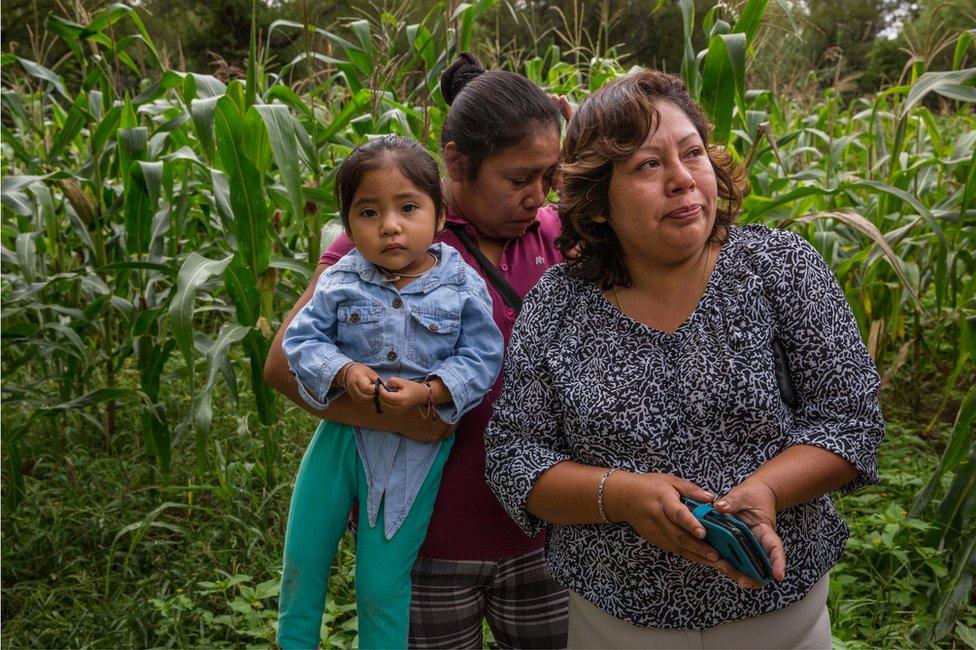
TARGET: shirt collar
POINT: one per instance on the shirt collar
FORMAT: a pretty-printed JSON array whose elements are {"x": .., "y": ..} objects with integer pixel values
[
  {"x": 447, "y": 271},
  {"x": 354, "y": 262}
]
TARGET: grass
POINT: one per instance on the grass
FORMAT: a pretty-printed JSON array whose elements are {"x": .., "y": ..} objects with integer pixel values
[
  {"x": 101, "y": 553},
  {"x": 104, "y": 554}
]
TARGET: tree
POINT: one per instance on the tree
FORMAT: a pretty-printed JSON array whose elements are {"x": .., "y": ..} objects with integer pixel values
[
  {"x": 22, "y": 29},
  {"x": 205, "y": 33},
  {"x": 841, "y": 32}
]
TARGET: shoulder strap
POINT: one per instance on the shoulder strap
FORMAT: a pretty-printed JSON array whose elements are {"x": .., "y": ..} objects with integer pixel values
[
  {"x": 781, "y": 364},
  {"x": 502, "y": 286}
]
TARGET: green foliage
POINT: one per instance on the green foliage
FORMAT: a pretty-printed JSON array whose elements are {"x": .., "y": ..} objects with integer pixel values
[
  {"x": 886, "y": 61},
  {"x": 152, "y": 238},
  {"x": 203, "y": 571},
  {"x": 882, "y": 590},
  {"x": 848, "y": 30},
  {"x": 99, "y": 554}
]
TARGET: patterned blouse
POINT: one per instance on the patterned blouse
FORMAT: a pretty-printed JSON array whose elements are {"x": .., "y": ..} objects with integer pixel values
[{"x": 584, "y": 382}]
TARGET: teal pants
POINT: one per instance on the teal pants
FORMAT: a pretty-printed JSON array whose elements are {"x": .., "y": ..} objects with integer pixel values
[{"x": 330, "y": 479}]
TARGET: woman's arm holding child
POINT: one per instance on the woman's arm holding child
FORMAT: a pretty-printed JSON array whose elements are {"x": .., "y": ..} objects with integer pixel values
[{"x": 343, "y": 409}]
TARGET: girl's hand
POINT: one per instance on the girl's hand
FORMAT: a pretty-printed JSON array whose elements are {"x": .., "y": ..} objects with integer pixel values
[
  {"x": 360, "y": 382},
  {"x": 651, "y": 504},
  {"x": 754, "y": 502},
  {"x": 403, "y": 395}
]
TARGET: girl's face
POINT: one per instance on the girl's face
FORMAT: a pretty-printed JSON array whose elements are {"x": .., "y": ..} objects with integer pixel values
[
  {"x": 501, "y": 201},
  {"x": 391, "y": 221}
]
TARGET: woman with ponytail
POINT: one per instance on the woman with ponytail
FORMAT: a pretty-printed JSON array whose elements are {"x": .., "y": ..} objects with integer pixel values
[{"x": 500, "y": 145}]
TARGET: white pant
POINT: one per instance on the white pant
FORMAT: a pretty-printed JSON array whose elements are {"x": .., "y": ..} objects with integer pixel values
[{"x": 804, "y": 624}]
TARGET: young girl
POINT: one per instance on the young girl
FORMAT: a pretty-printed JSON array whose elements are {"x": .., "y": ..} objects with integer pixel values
[{"x": 401, "y": 323}]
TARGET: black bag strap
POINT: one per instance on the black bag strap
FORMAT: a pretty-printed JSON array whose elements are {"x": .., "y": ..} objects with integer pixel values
[
  {"x": 784, "y": 378},
  {"x": 504, "y": 289}
]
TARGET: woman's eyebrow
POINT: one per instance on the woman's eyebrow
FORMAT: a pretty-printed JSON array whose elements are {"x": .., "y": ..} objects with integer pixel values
[{"x": 691, "y": 135}]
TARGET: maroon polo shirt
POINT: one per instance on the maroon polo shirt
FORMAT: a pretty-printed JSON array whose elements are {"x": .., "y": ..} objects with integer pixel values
[{"x": 468, "y": 522}]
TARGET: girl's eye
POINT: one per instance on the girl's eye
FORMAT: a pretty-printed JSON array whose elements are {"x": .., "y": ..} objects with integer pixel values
[
  {"x": 410, "y": 207},
  {"x": 367, "y": 212}
]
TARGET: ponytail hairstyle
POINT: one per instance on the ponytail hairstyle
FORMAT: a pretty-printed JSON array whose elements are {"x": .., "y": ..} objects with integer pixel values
[{"x": 491, "y": 111}]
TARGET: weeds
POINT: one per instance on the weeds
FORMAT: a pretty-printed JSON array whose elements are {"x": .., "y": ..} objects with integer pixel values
[{"x": 154, "y": 232}]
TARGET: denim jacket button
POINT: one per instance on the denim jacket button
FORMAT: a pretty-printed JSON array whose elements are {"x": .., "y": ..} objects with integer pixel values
[
  {"x": 433, "y": 327},
  {"x": 354, "y": 318},
  {"x": 391, "y": 355},
  {"x": 397, "y": 303}
]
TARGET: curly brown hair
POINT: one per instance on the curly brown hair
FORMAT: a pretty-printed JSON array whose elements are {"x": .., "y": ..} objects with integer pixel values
[{"x": 610, "y": 125}]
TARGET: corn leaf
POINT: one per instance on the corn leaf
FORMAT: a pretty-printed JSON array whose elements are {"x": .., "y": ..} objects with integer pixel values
[
  {"x": 196, "y": 270},
  {"x": 251, "y": 217}
]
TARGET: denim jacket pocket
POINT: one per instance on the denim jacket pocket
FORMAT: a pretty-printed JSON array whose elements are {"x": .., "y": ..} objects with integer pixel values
[
  {"x": 359, "y": 328},
  {"x": 433, "y": 335}
]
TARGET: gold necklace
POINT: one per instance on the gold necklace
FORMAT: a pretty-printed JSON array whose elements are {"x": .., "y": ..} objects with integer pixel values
[
  {"x": 704, "y": 279},
  {"x": 616, "y": 298}
]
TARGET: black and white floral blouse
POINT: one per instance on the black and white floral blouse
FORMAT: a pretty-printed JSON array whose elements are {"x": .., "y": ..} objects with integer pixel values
[{"x": 584, "y": 382}]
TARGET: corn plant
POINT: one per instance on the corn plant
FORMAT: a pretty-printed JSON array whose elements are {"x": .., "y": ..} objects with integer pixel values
[
  {"x": 161, "y": 218},
  {"x": 157, "y": 223},
  {"x": 885, "y": 189}
]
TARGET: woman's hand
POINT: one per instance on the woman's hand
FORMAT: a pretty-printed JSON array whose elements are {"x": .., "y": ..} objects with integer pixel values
[
  {"x": 360, "y": 382},
  {"x": 651, "y": 504},
  {"x": 754, "y": 502}
]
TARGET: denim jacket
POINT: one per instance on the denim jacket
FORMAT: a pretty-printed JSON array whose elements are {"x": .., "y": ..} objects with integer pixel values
[{"x": 439, "y": 325}]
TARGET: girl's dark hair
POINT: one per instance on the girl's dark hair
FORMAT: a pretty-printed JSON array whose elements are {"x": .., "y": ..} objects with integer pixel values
[
  {"x": 490, "y": 111},
  {"x": 610, "y": 125},
  {"x": 408, "y": 155}
]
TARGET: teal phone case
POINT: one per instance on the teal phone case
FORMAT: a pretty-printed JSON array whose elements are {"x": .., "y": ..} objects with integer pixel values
[{"x": 733, "y": 540}]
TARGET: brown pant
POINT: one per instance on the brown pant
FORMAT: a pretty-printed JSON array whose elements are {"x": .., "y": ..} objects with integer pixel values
[{"x": 805, "y": 624}]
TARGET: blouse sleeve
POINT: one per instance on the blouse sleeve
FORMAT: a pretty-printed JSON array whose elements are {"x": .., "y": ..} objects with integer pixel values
[
  {"x": 525, "y": 436},
  {"x": 835, "y": 379}
]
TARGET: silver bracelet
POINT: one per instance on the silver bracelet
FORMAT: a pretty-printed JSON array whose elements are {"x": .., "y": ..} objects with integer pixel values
[{"x": 599, "y": 494}]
